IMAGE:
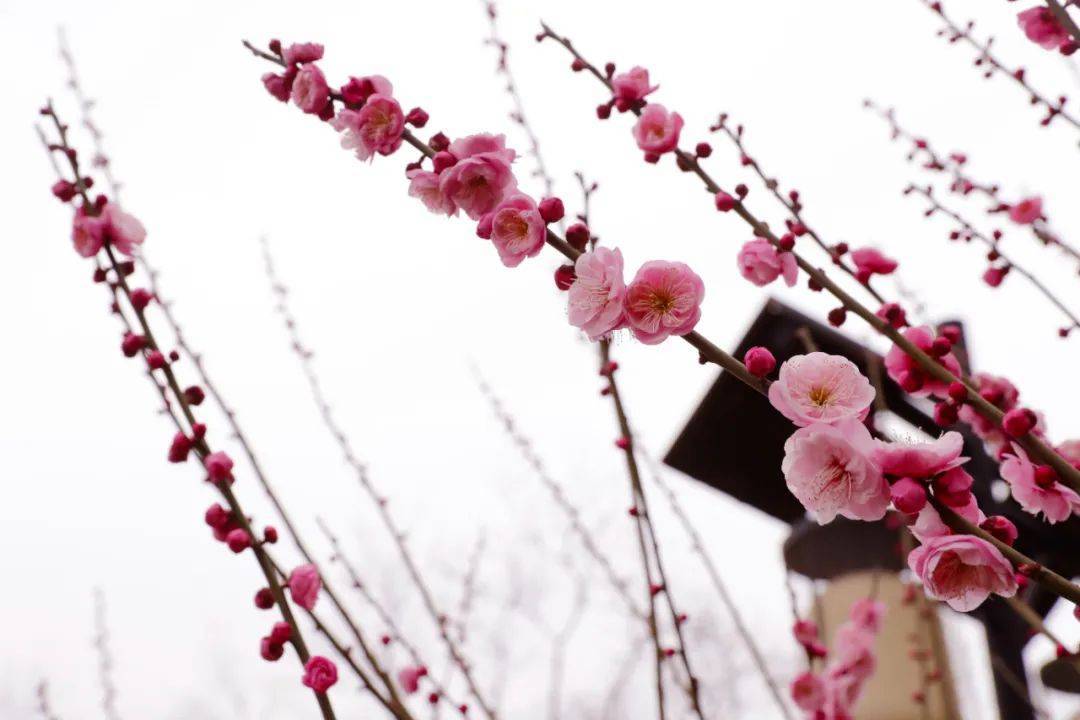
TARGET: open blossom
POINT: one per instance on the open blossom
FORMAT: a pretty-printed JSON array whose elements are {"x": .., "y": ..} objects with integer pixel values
[
  {"x": 818, "y": 387},
  {"x": 962, "y": 570},
  {"x": 871, "y": 261},
  {"x": 280, "y": 86},
  {"x": 808, "y": 692},
  {"x": 761, "y": 263},
  {"x": 907, "y": 373},
  {"x": 425, "y": 185},
  {"x": 595, "y": 299},
  {"x": 87, "y": 234},
  {"x": 377, "y": 127},
  {"x": 517, "y": 229},
  {"x": 304, "y": 585},
  {"x": 302, "y": 53},
  {"x": 657, "y": 130},
  {"x": 1026, "y": 211},
  {"x": 481, "y": 177},
  {"x": 921, "y": 459},
  {"x": 929, "y": 524},
  {"x": 1053, "y": 499},
  {"x": 663, "y": 299},
  {"x": 1042, "y": 28},
  {"x": 631, "y": 87},
  {"x": 320, "y": 674},
  {"x": 122, "y": 230},
  {"x": 1070, "y": 450},
  {"x": 830, "y": 469},
  {"x": 309, "y": 90},
  {"x": 867, "y": 614}
]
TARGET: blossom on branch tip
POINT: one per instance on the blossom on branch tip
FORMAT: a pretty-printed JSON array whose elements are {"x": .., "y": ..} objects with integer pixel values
[
  {"x": 596, "y": 294},
  {"x": 761, "y": 263},
  {"x": 663, "y": 299},
  {"x": 302, "y": 53},
  {"x": 821, "y": 388},
  {"x": 657, "y": 130},
  {"x": 962, "y": 570},
  {"x": 409, "y": 678},
  {"x": 830, "y": 469},
  {"x": 1042, "y": 28},
  {"x": 1026, "y": 211}
]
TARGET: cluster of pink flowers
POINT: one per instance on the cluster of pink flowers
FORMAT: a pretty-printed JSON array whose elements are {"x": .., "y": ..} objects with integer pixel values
[
  {"x": 833, "y": 692},
  {"x": 834, "y": 467},
  {"x": 1043, "y": 28},
  {"x": 474, "y": 175}
]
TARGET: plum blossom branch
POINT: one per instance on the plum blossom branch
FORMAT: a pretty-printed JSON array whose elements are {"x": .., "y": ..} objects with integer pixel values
[
  {"x": 558, "y": 494},
  {"x": 955, "y": 33},
  {"x": 105, "y": 659},
  {"x": 360, "y": 469},
  {"x": 933, "y": 368},
  {"x": 90, "y": 241},
  {"x": 994, "y": 274}
]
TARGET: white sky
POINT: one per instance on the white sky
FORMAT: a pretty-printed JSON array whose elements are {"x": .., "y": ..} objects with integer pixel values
[{"x": 398, "y": 303}]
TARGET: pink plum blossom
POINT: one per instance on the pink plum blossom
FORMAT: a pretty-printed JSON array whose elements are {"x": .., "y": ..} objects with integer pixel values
[
  {"x": 302, "y": 53},
  {"x": 761, "y": 263},
  {"x": 481, "y": 177},
  {"x": 1070, "y": 450},
  {"x": 377, "y": 127},
  {"x": 87, "y": 234},
  {"x": 409, "y": 678},
  {"x": 808, "y": 692},
  {"x": 122, "y": 230},
  {"x": 309, "y": 90},
  {"x": 304, "y": 585},
  {"x": 631, "y": 87},
  {"x": 595, "y": 299},
  {"x": 359, "y": 89},
  {"x": 1042, "y": 28},
  {"x": 663, "y": 299},
  {"x": 1053, "y": 499},
  {"x": 320, "y": 674},
  {"x": 657, "y": 130},
  {"x": 517, "y": 229},
  {"x": 425, "y": 185},
  {"x": 830, "y": 469},
  {"x": 929, "y": 524},
  {"x": 921, "y": 459},
  {"x": 867, "y": 614},
  {"x": 871, "y": 261},
  {"x": 962, "y": 570},
  {"x": 907, "y": 373},
  {"x": 277, "y": 85},
  {"x": 818, "y": 387},
  {"x": 1027, "y": 210}
]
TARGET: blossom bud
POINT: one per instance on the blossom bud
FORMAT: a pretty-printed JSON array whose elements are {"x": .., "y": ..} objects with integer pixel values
[
  {"x": 155, "y": 360},
  {"x": 724, "y": 202},
  {"x": 194, "y": 395},
  {"x": 64, "y": 190},
  {"x": 238, "y": 540},
  {"x": 622, "y": 443},
  {"x": 217, "y": 516},
  {"x": 912, "y": 380},
  {"x": 958, "y": 391},
  {"x": 219, "y": 467},
  {"x": 281, "y": 633},
  {"x": 1000, "y": 527},
  {"x": 787, "y": 242},
  {"x": 442, "y": 160},
  {"x": 552, "y": 210},
  {"x": 140, "y": 298},
  {"x": 132, "y": 344},
  {"x": 908, "y": 495},
  {"x": 565, "y": 276},
  {"x": 270, "y": 534},
  {"x": 270, "y": 650},
  {"x": 759, "y": 361},
  {"x": 198, "y": 431},
  {"x": 578, "y": 236},
  {"x": 180, "y": 447},
  {"x": 1018, "y": 422},
  {"x": 264, "y": 599},
  {"x": 945, "y": 414},
  {"x": 439, "y": 142},
  {"x": 417, "y": 117},
  {"x": 837, "y": 316},
  {"x": 1045, "y": 476},
  {"x": 703, "y": 150}
]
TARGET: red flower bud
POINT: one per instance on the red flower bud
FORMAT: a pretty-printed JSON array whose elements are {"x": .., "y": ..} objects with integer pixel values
[
  {"x": 724, "y": 202},
  {"x": 552, "y": 210},
  {"x": 238, "y": 540},
  {"x": 1018, "y": 422},
  {"x": 264, "y": 599},
  {"x": 565, "y": 276},
  {"x": 759, "y": 361},
  {"x": 578, "y": 236},
  {"x": 180, "y": 447}
]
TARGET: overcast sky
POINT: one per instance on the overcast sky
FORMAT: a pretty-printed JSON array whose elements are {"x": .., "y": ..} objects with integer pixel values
[{"x": 399, "y": 305}]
